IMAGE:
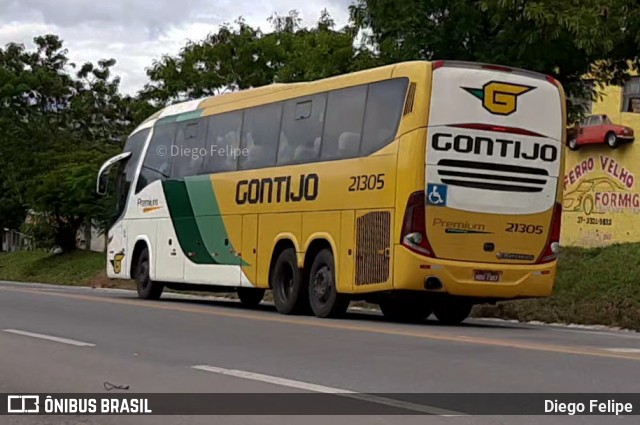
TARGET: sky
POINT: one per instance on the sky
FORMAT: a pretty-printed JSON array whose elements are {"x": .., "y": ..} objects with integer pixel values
[{"x": 135, "y": 32}]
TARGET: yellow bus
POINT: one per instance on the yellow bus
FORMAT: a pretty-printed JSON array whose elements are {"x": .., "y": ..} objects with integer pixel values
[{"x": 422, "y": 187}]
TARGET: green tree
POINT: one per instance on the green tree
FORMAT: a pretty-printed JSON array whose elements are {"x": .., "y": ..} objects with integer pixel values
[
  {"x": 12, "y": 205},
  {"x": 58, "y": 126},
  {"x": 240, "y": 56},
  {"x": 565, "y": 39}
]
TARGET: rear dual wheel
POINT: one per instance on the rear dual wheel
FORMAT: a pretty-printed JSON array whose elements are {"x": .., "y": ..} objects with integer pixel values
[
  {"x": 324, "y": 298},
  {"x": 289, "y": 290},
  {"x": 293, "y": 294}
]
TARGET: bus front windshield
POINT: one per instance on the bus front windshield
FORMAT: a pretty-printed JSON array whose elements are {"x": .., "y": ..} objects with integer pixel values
[{"x": 127, "y": 170}]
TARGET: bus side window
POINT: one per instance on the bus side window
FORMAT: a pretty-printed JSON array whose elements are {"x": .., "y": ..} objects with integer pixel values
[
  {"x": 348, "y": 143},
  {"x": 157, "y": 161},
  {"x": 343, "y": 123},
  {"x": 385, "y": 101},
  {"x": 189, "y": 153},
  {"x": 223, "y": 141},
  {"x": 260, "y": 134},
  {"x": 302, "y": 130}
]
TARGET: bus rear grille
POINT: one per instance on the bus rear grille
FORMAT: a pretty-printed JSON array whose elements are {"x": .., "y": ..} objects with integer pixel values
[
  {"x": 373, "y": 239},
  {"x": 489, "y": 176},
  {"x": 411, "y": 95}
]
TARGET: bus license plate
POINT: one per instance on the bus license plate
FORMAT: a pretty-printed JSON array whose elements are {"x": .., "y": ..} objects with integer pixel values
[{"x": 486, "y": 276}]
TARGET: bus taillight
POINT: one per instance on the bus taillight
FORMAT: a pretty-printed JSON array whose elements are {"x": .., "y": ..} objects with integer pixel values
[
  {"x": 414, "y": 232},
  {"x": 553, "y": 244}
]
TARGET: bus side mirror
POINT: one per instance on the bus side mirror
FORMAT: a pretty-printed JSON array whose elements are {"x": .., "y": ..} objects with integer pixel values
[
  {"x": 103, "y": 175},
  {"x": 102, "y": 184}
]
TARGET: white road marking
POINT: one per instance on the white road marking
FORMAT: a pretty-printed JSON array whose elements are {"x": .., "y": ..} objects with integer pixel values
[
  {"x": 306, "y": 386},
  {"x": 624, "y": 350},
  {"x": 273, "y": 380},
  {"x": 50, "y": 338}
]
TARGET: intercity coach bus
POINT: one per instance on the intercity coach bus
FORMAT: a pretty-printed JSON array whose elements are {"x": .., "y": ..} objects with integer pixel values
[{"x": 423, "y": 187}]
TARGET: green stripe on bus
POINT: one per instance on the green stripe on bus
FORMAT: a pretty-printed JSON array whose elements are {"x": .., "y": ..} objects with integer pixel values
[
  {"x": 201, "y": 195},
  {"x": 166, "y": 120},
  {"x": 184, "y": 222},
  {"x": 191, "y": 115},
  {"x": 210, "y": 222}
]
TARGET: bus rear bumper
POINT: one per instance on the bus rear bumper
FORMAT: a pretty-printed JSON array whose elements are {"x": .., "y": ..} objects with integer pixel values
[{"x": 459, "y": 278}]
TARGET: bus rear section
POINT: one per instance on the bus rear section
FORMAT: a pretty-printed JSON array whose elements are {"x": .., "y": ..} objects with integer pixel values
[{"x": 486, "y": 224}]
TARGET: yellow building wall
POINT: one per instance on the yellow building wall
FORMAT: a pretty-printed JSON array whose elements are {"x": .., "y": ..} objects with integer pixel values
[{"x": 601, "y": 203}]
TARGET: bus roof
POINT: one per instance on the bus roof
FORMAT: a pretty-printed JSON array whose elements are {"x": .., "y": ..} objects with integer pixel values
[{"x": 223, "y": 100}]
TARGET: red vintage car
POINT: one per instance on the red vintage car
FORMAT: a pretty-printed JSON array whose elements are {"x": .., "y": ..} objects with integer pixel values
[{"x": 598, "y": 129}]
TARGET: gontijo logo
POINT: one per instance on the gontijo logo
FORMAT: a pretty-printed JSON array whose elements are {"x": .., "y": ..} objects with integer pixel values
[{"x": 499, "y": 98}]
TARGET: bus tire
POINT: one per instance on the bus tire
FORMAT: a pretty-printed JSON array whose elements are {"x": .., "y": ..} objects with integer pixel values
[
  {"x": 147, "y": 289},
  {"x": 410, "y": 310},
  {"x": 324, "y": 298},
  {"x": 289, "y": 291},
  {"x": 250, "y": 297},
  {"x": 451, "y": 311}
]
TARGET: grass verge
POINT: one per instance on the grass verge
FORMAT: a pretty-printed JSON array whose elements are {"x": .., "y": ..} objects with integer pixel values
[
  {"x": 76, "y": 268},
  {"x": 596, "y": 286},
  {"x": 599, "y": 286}
]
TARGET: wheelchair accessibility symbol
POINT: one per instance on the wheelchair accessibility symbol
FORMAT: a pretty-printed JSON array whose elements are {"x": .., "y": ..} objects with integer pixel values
[{"x": 437, "y": 195}]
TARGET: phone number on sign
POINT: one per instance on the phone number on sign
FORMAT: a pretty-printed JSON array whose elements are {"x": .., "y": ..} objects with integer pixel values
[{"x": 595, "y": 221}]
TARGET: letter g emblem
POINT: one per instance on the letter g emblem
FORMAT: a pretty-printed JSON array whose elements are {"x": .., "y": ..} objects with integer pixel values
[
  {"x": 502, "y": 98},
  {"x": 499, "y": 98}
]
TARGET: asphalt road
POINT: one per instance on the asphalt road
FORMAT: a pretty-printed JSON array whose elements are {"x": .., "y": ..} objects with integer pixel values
[{"x": 56, "y": 339}]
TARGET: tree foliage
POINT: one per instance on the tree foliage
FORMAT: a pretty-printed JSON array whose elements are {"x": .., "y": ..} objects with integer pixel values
[
  {"x": 237, "y": 57},
  {"x": 565, "y": 39},
  {"x": 59, "y": 123}
]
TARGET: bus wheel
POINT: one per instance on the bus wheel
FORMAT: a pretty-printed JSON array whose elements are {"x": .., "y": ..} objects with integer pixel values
[
  {"x": 250, "y": 297},
  {"x": 323, "y": 295},
  {"x": 405, "y": 309},
  {"x": 147, "y": 289},
  {"x": 289, "y": 292},
  {"x": 451, "y": 311}
]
